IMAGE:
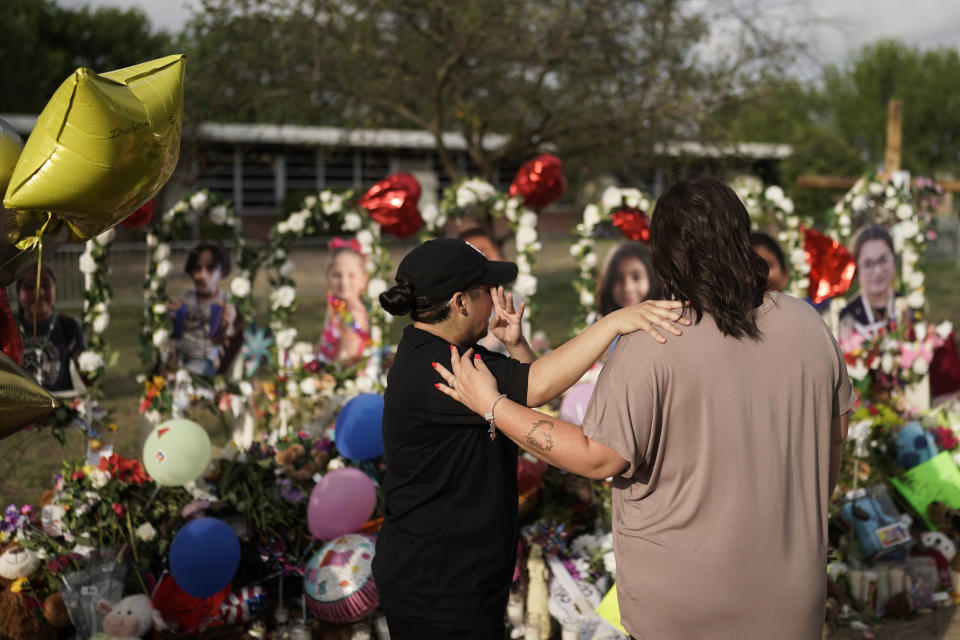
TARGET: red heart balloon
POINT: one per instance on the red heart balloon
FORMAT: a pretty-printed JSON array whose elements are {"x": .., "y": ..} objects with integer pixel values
[
  {"x": 831, "y": 266},
  {"x": 633, "y": 223},
  {"x": 141, "y": 216},
  {"x": 540, "y": 181},
  {"x": 11, "y": 342},
  {"x": 393, "y": 203}
]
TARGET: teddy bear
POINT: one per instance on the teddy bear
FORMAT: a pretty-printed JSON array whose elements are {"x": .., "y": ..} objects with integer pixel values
[
  {"x": 128, "y": 619},
  {"x": 18, "y": 619}
]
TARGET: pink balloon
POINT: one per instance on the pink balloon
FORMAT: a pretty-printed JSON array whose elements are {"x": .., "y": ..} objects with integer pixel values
[
  {"x": 574, "y": 405},
  {"x": 340, "y": 503}
]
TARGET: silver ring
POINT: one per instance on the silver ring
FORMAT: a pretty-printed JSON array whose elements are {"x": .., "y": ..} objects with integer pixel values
[{"x": 453, "y": 382}]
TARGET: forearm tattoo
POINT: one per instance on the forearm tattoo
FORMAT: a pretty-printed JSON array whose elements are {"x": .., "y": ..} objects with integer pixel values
[{"x": 539, "y": 435}]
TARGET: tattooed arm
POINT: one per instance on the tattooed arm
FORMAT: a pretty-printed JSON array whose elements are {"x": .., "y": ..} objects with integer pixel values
[{"x": 555, "y": 441}]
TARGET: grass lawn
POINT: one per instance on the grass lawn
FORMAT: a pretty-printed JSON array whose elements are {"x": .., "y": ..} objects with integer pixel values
[{"x": 31, "y": 458}]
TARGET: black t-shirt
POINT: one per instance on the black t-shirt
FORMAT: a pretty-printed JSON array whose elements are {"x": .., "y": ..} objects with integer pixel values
[
  {"x": 447, "y": 550},
  {"x": 48, "y": 351}
]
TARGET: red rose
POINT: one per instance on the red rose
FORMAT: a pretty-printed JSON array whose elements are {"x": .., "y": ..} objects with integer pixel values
[
  {"x": 945, "y": 438},
  {"x": 119, "y": 509}
]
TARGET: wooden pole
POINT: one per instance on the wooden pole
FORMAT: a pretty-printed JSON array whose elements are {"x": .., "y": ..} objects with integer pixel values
[{"x": 894, "y": 136}]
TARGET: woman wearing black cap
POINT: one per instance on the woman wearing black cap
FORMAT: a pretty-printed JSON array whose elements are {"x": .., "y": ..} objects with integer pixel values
[{"x": 446, "y": 554}]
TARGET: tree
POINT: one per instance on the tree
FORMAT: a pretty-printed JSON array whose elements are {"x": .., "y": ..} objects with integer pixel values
[
  {"x": 43, "y": 44},
  {"x": 598, "y": 81},
  {"x": 857, "y": 93}
]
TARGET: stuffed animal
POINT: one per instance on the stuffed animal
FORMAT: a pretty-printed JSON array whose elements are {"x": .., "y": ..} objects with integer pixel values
[
  {"x": 18, "y": 617},
  {"x": 129, "y": 619}
]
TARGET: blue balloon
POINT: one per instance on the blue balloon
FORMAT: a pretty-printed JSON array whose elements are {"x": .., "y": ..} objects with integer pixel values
[
  {"x": 204, "y": 556},
  {"x": 359, "y": 428}
]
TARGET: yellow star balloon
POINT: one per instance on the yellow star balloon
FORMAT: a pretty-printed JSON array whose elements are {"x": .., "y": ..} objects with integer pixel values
[
  {"x": 104, "y": 144},
  {"x": 22, "y": 401}
]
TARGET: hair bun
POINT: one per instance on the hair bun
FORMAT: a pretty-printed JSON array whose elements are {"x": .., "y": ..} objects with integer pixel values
[{"x": 398, "y": 300}]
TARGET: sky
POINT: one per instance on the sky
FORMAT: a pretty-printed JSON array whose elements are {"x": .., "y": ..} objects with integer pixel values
[{"x": 846, "y": 24}]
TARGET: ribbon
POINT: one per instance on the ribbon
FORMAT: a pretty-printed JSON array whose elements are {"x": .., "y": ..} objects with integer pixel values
[
  {"x": 256, "y": 348},
  {"x": 340, "y": 243}
]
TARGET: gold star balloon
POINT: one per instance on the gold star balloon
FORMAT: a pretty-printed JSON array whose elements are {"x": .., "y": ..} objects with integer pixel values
[
  {"x": 22, "y": 400},
  {"x": 104, "y": 145}
]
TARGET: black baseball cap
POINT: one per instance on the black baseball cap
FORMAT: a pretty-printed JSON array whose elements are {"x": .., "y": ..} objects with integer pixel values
[{"x": 439, "y": 268}]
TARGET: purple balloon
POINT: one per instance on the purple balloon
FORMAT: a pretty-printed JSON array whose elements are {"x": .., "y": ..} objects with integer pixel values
[
  {"x": 340, "y": 503},
  {"x": 574, "y": 405}
]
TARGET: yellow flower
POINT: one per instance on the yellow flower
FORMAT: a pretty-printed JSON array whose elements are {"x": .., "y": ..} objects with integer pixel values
[
  {"x": 112, "y": 426},
  {"x": 159, "y": 382},
  {"x": 17, "y": 585}
]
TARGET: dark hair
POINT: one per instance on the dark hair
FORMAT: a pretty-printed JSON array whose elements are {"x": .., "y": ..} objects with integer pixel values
[
  {"x": 629, "y": 249},
  {"x": 45, "y": 270},
  {"x": 221, "y": 258},
  {"x": 873, "y": 232},
  {"x": 399, "y": 301},
  {"x": 761, "y": 239},
  {"x": 700, "y": 238}
]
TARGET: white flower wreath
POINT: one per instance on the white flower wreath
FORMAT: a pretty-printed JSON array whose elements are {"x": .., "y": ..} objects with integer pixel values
[
  {"x": 477, "y": 194},
  {"x": 584, "y": 249},
  {"x": 772, "y": 207},
  {"x": 893, "y": 203},
  {"x": 325, "y": 213},
  {"x": 96, "y": 301},
  {"x": 174, "y": 222}
]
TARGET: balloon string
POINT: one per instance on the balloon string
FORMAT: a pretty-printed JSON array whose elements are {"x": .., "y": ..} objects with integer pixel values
[{"x": 28, "y": 244}]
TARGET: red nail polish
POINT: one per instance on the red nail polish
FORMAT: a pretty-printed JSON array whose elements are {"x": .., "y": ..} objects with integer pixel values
[
  {"x": 437, "y": 385},
  {"x": 435, "y": 365},
  {"x": 476, "y": 356}
]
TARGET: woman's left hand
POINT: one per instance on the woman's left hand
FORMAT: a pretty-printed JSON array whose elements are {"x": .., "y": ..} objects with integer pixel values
[
  {"x": 507, "y": 322},
  {"x": 469, "y": 382}
]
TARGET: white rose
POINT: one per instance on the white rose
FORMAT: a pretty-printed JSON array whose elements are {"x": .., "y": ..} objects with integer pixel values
[
  {"x": 875, "y": 188},
  {"x": 904, "y": 211},
  {"x": 590, "y": 259},
  {"x": 591, "y": 216},
  {"x": 857, "y": 371},
  {"x": 240, "y": 287},
  {"x": 146, "y": 532},
  {"x": 375, "y": 287},
  {"x": 944, "y": 329},
  {"x": 180, "y": 207},
  {"x": 218, "y": 215},
  {"x": 792, "y": 222},
  {"x": 89, "y": 361},
  {"x": 890, "y": 204},
  {"x": 586, "y": 298},
  {"x": 916, "y": 279},
  {"x": 352, "y": 221},
  {"x": 100, "y": 323},
  {"x": 326, "y": 196},
  {"x": 98, "y": 478},
  {"x": 293, "y": 389},
  {"x": 286, "y": 338},
  {"x": 364, "y": 384},
  {"x": 162, "y": 252},
  {"x": 297, "y": 222},
  {"x": 246, "y": 389},
  {"x": 198, "y": 200},
  {"x": 886, "y": 363},
  {"x": 159, "y": 309},
  {"x": 287, "y": 267},
  {"x": 163, "y": 268},
  {"x": 798, "y": 257},
  {"x": 528, "y": 219},
  {"x": 310, "y": 201},
  {"x": 429, "y": 213},
  {"x": 152, "y": 240},
  {"x": 160, "y": 337},
  {"x": 859, "y": 202},
  {"x": 803, "y": 283},
  {"x": 610, "y": 562},
  {"x": 611, "y": 198},
  {"x": 631, "y": 197},
  {"x": 511, "y": 208},
  {"x": 525, "y": 285},
  {"x": 308, "y": 386},
  {"x": 283, "y": 228},
  {"x": 283, "y": 297},
  {"x": 787, "y": 206},
  {"x": 526, "y": 236},
  {"x": 87, "y": 264},
  {"x": 335, "y": 205},
  {"x": 908, "y": 229},
  {"x": 365, "y": 238},
  {"x": 920, "y": 366},
  {"x": 844, "y": 220},
  {"x": 774, "y": 193},
  {"x": 465, "y": 196},
  {"x": 916, "y": 300}
]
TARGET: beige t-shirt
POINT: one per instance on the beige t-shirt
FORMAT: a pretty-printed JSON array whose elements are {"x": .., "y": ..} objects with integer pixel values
[{"x": 720, "y": 521}]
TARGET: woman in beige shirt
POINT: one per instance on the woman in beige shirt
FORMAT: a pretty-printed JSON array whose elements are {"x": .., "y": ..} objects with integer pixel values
[{"x": 724, "y": 445}]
